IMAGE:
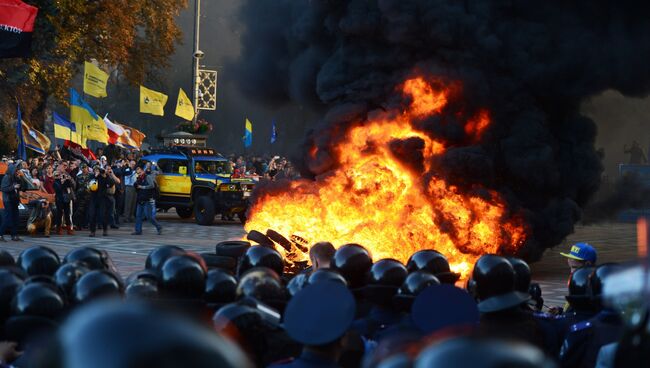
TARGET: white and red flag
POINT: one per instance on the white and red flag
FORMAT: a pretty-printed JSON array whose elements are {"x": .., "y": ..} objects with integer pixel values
[{"x": 115, "y": 131}]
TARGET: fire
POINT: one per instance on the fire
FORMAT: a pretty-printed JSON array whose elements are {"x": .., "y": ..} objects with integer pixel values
[{"x": 375, "y": 199}]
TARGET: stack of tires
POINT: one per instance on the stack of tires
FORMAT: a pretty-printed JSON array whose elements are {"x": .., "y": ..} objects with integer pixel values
[{"x": 226, "y": 255}]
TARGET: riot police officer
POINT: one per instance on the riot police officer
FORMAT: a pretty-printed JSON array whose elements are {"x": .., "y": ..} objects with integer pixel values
[
  {"x": 584, "y": 340},
  {"x": 493, "y": 284},
  {"x": 385, "y": 278},
  {"x": 318, "y": 317}
]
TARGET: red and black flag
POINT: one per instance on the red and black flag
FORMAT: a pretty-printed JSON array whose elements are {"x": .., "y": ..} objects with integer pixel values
[{"x": 16, "y": 26}]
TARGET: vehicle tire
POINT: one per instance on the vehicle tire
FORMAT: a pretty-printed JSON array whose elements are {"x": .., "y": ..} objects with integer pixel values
[
  {"x": 184, "y": 212},
  {"x": 232, "y": 248},
  {"x": 216, "y": 261},
  {"x": 204, "y": 211},
  {"x": 278, "y": 238},
  {"x": 260, "y": 239}
]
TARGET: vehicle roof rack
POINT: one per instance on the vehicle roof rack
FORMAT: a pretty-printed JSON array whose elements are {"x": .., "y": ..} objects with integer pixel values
[{"x": 186, "y": 150}]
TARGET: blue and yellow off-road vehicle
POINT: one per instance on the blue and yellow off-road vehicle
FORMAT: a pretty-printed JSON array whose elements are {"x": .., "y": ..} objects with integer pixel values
[{"x": 198, "y": 181}]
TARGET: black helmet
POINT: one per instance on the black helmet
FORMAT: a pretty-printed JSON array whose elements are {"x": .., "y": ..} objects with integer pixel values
[
  {"x": 264, "y": 285},
  {"x": 10, "y": 282},
  {"x": 68, "y": 274},
  {"x": 468, "y": 352},
  {"x": 384, "y": 278},
  {"x": 148, "y": 276},
  {"x": 239, "y": 322},
  {"x": 579, "y": 291},
  {"x": 597, "y": 278},
  {"x": 353, "y": 262},
  {"x": 36, "y": 308},
  {"x": 414, "y": 283},
  {"x": 142, "y": 285},
  {"x": 260, "y": 256},
  {"x": 494, "y": 280},
  {"x": 433, "y": 262},
  {"x": 183, "y": 277},
  {"x": 220, "y": 288},
  {"x": 38, "y": 299},
  {"x": 6, "y": 258},
  {"x": 159, "y": 255},
  {"x": 39, "y": 260},
  {"x": 297, "y": 283},
  {"x": 141, "y": 289},
  {"x": 96, "y": 284},
  {"x": 110, "y": 334},
  {"x": 523, "y": 274},
  {"x": 94, "y": 259},
  {"x": 326, "y": 274}
]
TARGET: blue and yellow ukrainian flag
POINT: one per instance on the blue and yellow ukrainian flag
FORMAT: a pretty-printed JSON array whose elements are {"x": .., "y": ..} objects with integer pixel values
[
  {"x": 66, "y": 130},
  {"x": 91, "y": 125},
  {"x": 248, "y": 134}
]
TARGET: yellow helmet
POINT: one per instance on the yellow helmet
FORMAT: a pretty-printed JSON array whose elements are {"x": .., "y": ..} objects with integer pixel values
[{"x": 92, "y": 185}]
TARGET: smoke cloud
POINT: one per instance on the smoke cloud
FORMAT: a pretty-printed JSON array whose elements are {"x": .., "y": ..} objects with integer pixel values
[{"x": 530, "y": 64}]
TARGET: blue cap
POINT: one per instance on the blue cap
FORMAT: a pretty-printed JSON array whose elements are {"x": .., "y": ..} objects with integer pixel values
[
  {"x": 582, "y": 252},
  {"x": 443, "y": 306},
  {"x": 320, "y": 313}
]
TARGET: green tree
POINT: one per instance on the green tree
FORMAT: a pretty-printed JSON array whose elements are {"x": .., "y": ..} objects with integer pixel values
[{"x": 132, "y": 38}]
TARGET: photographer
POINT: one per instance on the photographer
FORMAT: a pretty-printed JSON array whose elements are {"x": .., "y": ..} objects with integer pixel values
[
  {"x": 64, "y": 187},
  {"x": 99, "y": 202},
  {"x": 10, "y": 187},
  {"x": 111, "y": 194},
  {"x": 40, "y": 217}
]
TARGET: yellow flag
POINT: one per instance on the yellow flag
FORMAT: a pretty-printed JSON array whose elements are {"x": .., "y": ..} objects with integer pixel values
[
  {"x": 95, "y": 80},
  {"x": 152, "y": 102},
  {"x": 184, "y": 107}
]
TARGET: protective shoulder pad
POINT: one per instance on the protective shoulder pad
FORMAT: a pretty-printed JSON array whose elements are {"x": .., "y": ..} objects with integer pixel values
[{"x": 585, "y": 325}]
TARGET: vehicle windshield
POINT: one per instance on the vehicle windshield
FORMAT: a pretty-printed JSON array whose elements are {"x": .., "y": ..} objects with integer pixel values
[{"x": 212, "y": 167}]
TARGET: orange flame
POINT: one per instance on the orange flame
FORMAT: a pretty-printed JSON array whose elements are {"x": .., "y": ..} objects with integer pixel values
[{"x": 375, "y": 200}]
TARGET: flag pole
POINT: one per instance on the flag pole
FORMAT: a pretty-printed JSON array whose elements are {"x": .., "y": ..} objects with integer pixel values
[{"x": 198, "y": 54}]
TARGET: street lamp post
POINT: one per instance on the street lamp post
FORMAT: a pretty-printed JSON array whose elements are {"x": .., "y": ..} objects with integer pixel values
[{"x": 198, "y": 54}]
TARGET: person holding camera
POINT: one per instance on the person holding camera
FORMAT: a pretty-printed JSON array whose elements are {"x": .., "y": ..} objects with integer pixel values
[
  {"x": 111, "y": 193},
  {"x": 99, "y": 202},
  {"x": 10, "y": 187},
  {"x": 64, "y": 187},
  {"x": 40, "y": 217}
]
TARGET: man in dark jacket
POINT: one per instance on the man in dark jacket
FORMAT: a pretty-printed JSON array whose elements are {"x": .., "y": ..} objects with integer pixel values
[
  {"x": 145, "y": 187},
  {"x": 64, "y": 187},
  {"x": 10, "y": 186},
  {"x": 99, "y": 202}
]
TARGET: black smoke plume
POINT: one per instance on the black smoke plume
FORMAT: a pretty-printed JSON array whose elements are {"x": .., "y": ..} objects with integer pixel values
[{"x": 530, "y": 63}]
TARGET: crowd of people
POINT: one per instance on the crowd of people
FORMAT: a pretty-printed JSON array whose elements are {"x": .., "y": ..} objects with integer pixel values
[
  {"x": 245, "y": 305},
  {"x": 105, "y": 193}
]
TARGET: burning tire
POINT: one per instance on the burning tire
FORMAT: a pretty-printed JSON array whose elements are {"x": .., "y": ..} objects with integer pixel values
[
  {"x": 260, "y": 239},
  {"x": 278, "y": 238},
  {"x": 184, "y": 212},
  {"x": 204, "y": 211},
  {"x": 232, "y": 248}
]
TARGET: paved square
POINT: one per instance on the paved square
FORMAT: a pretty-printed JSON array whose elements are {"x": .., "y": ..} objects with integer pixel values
[{"x": 615, "y": 243}]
